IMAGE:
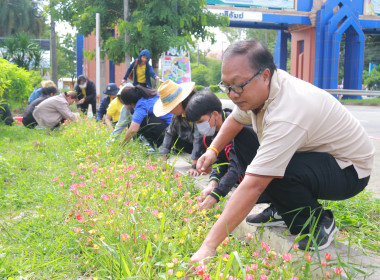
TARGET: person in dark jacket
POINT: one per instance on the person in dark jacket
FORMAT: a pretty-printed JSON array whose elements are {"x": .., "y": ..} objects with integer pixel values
[
  {"x": 5, "y": 114},
  {"x": 141, "y": 71},
  {"x": 205, "y": 109},
  {"x": 28, "y": 119},
  {"x": 86, "y": 92},
  {"x": 180, "y": 133},
  {"x": 111, "y": 91}
]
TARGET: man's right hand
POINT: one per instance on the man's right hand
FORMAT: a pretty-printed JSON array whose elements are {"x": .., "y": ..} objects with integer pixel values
[
  {"x": 205, "y": 161},
  {"x": 213, "y": 184}
]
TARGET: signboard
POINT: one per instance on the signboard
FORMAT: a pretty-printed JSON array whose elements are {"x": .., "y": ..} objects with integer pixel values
[
  {"x": 277, "y": 4},
  {"x": 372, "y": 7},
  {"x": 235, "y": 15},
  {"x": 176, "y": 66}
]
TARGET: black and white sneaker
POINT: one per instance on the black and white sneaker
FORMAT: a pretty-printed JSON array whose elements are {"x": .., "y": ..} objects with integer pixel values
[
  {"x": 323, "y": 234},
  {"x": 268, "y": 218}
]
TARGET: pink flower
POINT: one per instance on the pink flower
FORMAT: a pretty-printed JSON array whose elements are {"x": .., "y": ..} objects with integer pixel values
[
  {"x": 143, "y": 236},
  {"x": 255, "y": 254},
  {"x": 72, "y": 173},
  {"x": 175, "y": 261},
  {"x": 126, "y": 203},
  {"x": 170, "y": 272},
  {"x": 323, "y": 263},
  {"x": 112, "y": 211},
  {"x": 249, "y": 236},
  {"x": 225, "y": 257},
  {"x": 190, "y": 211},
  {"x": 80, "y": 176},
  {"x": 338, "y": 270},
  {"x": 254, "y": 266},
  {"x": 55, "y": 179},
  {"x": 61, "y": 184},
  {"x": 295, "y": 246},
  {"x": 104, "y": 197},
  {"x": 248, "y": 277},
  {"x": 130, "y": 211},
  {"x": 132, "y": 176},
  {"x": 327, "y": 273},
  {"x": 263, "y": 277},
  {"x": 265, "y": 246},
  {"x": 124, "y": 236},
  {"x": 155, "y": 212},
  {"x": 77, "y": 229},
  {"x": 328, "y": 256},
  {"x": 232, "y": 278},
  {"x": 247, "y": 268},
  {"x": 307, "y": 257},
  {"x": 200, "y": 269},
  {"x": 287, "y": 257},
  {"x": 295, "y": 278},
  {"x": 89, "y": 212},
  {"x": 186, "y": 220},
  {"x": 225, "y": 241}
]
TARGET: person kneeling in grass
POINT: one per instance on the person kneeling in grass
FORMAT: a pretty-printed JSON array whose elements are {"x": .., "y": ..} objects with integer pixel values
[
  {"x": 55, "y": 110},
  {"x": 181, "y": 132},
  {"x": 205, "y": 109},
  {"x": 144, "y": 122}
]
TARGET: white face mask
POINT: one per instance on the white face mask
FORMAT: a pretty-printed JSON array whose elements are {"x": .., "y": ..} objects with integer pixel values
[
  {"x": 83, "y": 86},
  {"x": 204, "y": 128}
]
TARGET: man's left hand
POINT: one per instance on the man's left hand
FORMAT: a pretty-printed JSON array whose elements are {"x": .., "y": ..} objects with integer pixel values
[{"x": 203, "y": 253}]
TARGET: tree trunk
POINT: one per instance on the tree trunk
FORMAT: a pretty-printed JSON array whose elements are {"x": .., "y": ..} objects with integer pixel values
[
  {"x": 53, "y": 49},
  {"x": 155, "y": 68}
]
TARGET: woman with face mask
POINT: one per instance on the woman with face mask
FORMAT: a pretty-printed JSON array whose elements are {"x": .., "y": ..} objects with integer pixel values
[
  {"x": 86, "y": 92},
  {"x": 205, "y": 109},
  {"x": 181, "y": 135}
]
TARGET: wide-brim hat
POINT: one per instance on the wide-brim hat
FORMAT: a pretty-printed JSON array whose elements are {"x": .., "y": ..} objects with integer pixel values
[{"x": 171, "y": 94}]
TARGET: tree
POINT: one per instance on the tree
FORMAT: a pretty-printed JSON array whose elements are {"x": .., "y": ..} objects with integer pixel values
[
  {"x": 154, "y": 24},
  {"x": 20, "y": 16},
  {"x": 22, "y": 50},
  {"x": 66, "y": 50}
]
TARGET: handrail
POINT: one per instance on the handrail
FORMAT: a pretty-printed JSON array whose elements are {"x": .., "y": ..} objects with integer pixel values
[{"x": 353, "y": 92}]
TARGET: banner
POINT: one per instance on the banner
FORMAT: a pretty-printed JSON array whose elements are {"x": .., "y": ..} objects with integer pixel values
[
  {"x": 235, "y": 15},
  {"x": 176, "y": 66},
  {"x": 277, "y": 4},
  {"x": 372, "y": 7}
]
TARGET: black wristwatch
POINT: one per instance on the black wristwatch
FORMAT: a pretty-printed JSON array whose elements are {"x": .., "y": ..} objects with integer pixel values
[{"x": 194, "y": 166}]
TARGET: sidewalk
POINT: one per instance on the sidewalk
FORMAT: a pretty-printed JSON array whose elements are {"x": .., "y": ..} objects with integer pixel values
[{"x": 281, "y": 241}]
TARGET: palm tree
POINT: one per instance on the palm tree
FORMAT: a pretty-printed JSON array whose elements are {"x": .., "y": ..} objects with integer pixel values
[
  {"x": 22, "y": 50},
  {"x": 20, "y": 16}
]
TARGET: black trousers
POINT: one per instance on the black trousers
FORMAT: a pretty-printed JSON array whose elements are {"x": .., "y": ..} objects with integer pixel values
[
  {"x": 153, "y": 129},
  {"x": 84, "y": 106},
  {"x": 309, "y": 177}
]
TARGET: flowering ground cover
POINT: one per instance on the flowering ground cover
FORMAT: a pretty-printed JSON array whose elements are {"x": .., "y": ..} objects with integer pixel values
[{"x": 72, "y": 207}]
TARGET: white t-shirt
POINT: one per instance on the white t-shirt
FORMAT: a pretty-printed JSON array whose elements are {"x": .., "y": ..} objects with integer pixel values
[{"x": 299, "y": 117}]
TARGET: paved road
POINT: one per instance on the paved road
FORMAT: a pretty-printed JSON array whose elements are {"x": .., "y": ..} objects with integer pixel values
[{"x": 369, "y": 116}]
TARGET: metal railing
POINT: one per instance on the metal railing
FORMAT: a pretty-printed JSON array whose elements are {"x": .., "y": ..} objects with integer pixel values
[{"x": 341, "y": 92}]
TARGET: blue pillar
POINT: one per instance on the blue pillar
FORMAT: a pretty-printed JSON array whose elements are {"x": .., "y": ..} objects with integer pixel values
[
  {"x": 281, "y": 49},
  {"x": 112, "y": 72},
  {"x": 79, "y": 54}
]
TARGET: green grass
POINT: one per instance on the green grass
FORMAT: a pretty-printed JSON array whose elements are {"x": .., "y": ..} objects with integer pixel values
[
  {"x": 71, "y": 207},
  {"x": 362, "y": 101}
]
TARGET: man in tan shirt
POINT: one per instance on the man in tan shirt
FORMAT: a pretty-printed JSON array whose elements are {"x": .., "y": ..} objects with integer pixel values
[
  {"x": 53, "y": 111},
  {"x": 311, "y": 148}
]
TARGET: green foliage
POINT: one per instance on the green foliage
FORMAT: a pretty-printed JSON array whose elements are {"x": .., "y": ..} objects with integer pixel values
[
  {"x": 22, "y": 50},
  {"x": 199, "y": 87},
  {"x": 66, "y": 56},
  {"x": 154, "y": 25},
  {"x": 199, "y": 75},
  {"x": 214, "y": 88},
  {"x": 372, "y": 80},
  {"x": 16, "y": 83},
  {"x": 21, "y": 16},
  {"x": 208, "y": 72}
]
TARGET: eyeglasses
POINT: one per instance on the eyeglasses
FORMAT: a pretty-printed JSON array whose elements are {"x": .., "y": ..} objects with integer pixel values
[{"x": 238, "y": 88}]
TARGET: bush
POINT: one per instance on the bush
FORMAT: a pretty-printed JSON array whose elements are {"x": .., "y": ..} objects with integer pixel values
[
  {"x": 214, "y": 89},
  {"x": 16, "y": 84},
  {"x": 199, "y": 87},
  {"x": 199, "y": 75}
]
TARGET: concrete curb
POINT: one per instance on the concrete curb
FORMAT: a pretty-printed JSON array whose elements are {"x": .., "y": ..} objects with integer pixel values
[{"x": 281, "y": 240}]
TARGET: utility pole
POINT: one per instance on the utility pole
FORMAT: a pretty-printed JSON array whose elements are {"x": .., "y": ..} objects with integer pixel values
[
  {"x": 53, "y": 48},
  {"x": 97, "y": 60},
  {"x": 127, "y": 40}
]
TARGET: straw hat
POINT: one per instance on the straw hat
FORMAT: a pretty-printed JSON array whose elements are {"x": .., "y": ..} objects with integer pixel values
[{"x": 171, "y": 94}]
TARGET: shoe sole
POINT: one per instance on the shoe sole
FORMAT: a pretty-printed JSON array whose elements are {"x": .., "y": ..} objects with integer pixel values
[
  {"x": 268, "y": 224},
  {"x": 329, "y": 240}
]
